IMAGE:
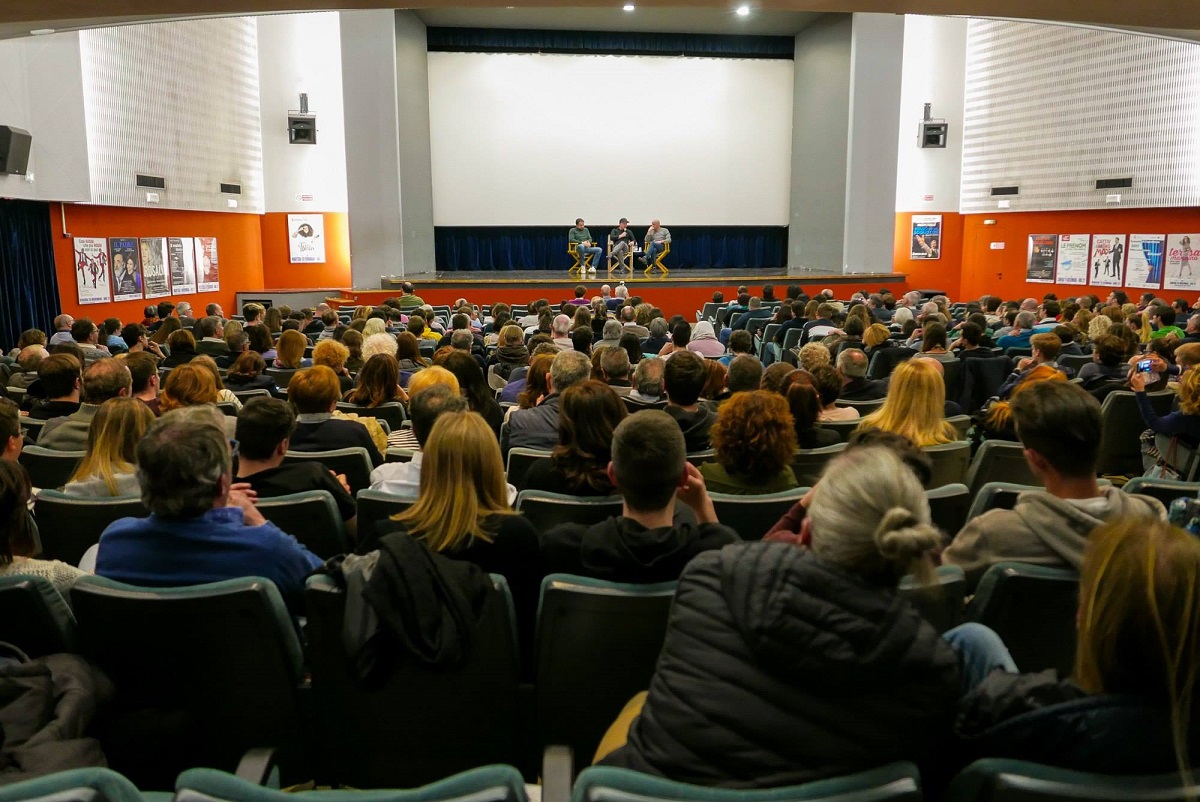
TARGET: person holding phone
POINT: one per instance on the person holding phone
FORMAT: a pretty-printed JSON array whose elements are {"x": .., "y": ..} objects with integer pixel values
[{"x": 1184, "y": 424}]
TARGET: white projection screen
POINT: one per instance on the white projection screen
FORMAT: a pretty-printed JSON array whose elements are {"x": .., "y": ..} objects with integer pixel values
[{"x": 535, "y": 140}]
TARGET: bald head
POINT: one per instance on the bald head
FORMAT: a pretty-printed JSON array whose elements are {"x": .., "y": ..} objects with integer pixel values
[
  {"x": 106, "y": 379},
  {"x": 852, "y": 363}
]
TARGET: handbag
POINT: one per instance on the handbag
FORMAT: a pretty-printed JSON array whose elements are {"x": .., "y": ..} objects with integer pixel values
[{"x": 1164, "y": 467}]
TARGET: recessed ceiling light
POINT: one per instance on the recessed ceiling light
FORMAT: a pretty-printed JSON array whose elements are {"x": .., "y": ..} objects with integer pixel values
[
  {"x": 743, "y": 11},
  {"x": 629, "y": 6},
  {"x": 41, "y": 31}
]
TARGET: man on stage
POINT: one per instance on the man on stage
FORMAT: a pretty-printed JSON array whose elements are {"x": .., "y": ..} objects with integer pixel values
[
  {"x": 656, "y": 239},
  {"x": 589, "y": 254},
  {"x": 622, "y": 241}
]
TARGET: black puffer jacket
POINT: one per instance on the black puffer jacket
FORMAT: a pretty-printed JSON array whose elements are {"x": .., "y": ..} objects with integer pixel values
[{"x": 780, "y": 668}]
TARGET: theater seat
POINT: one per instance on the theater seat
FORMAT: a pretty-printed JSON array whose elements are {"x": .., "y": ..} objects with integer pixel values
[
  {"x": 1032, "y": 608},
  {"x": 1000, "y": 461},
  {"x": 374, "y": 509},
  {"x": 354, "y": 463},
  {"x": 50, "y": 469},
  {"x": 844, "y": 428},
  {"x": 753, "y": 516},
  {"x": 1000, "y": 780},
  {"x": 392, "y": 412},
  {"x": 948, "y": 507},
  {"x": 1165, "y": 490},
  {"x": 282, "y": 376},
  {"x": 809, "y": 463},
  {"x": 942, "y": 602},
  {"x": 949, "y": 462},
  {"x": 79, "y": 785},
  {"x": 547, "y": 510},
  {"x": 311, "y": 517},
  {"x": 520, "y": 460},
  {"x": 70, "y": 525},
  {"x": 1121, "y": 428},
  {"x": 34, "y": 617}
]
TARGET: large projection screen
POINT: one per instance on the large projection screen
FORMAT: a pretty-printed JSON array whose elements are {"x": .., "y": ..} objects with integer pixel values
[{"x": 535, "y": 140}]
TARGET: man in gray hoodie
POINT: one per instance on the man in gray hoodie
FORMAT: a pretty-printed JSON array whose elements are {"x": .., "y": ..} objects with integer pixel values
[{"x": 1059, "y": 425}]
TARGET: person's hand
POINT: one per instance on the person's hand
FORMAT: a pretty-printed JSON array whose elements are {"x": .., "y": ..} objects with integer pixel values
[
  {"x": 1137, "y": 381},
  {"x": 1157, "y": 363},
  {"x": 402, "y": 394},
  {"x": 242, "y": 496},
  {"x": 1024, "y": 364},
  {"x": 694, "y": 493},
  {"x": 341, "y": 477}
]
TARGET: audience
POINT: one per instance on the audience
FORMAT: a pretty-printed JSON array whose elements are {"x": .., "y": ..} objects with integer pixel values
[
  {"x": 314, "y": 392},
  {"x": 684, "y": 377},
  {"x": 996, "y": 421},
  {"x": 19, "y": 537},
  {"x": 915, "y": 405},
  {"x": 333, "y": 355},
  {"x": 110, "y": 466},
  {"x": 62, "y": 382},
  {"x": 589, "y": 414},
  {"x": 828, "y": 383},
  {"x": 754, "y": 441},
  {"x": 378, "y": 383},
  {"x": 1184, "y": 424},
  {"x": 248, "y": 373},
  {"x": 852, "y": 367},
  {"x": 181, "y": 347},
  {"x": 537, "y": 427},
  {"x": 290, "y": 351},
  {"x": 474, "y": 387},
  {"x": 403, "y": 479},
  {"x": 103, "y": 379}
]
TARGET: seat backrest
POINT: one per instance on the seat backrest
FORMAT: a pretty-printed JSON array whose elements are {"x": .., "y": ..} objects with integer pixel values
[
  {"x": 1000, "y": 780},
  {"x": 753, "y": 516},
  {"x": 961, "y": 424},
  {"x": 755, "y": 325},
  {"x": 885, "y": 360},
  {"x": 49, "y": 468},
  {"x": 950, "y": 462},
  {"x": 844, "y": 428},
  {"x": 35, "y": 617},
  {"x": 1165, "y": 490},
  {"x": 31, "y": 427},
  {"x": 1073, "y": 361},
  {"x": 792, "y": 338},
  {"x": 981, "y": 379},
  {"x": 357, "y": 725},
  {"x": 520, "y": 460},
  {"x": 374, "y": 510},
  {"x": 809, "y": 463},
  {"x": 995, "y": 496},
  {"x": 73, "y": 785},
  {"x": 353, "y": 462},
  {"x": 392, "y": 412},
  {"x": 596, "y": 646},
  {"x": 311, "y": 517},
  {"x": 1122, "y": 426},
  {"x": 547, "y": 510},
  {"x": 895, "y": 782},
  {"x": 485, "y": 784},
  {"x": 282, "y": 376},
  {"x": 864, "y": 407},
  {"x": 948, "y": 506},
  {"x": 1032, "y": 608},
  {"x": 70, "y": 525},
  {"x": 952, "y": 374},
  {"x": 942, "y": 602},
  {"x": 203, "y": 673},
  {"x": 228, "y": 408},
  {"x": 698, "y": 458},
  {"x": 768, "y": 336},
  {"x": 245, "y": 395},
  {"x": 397, "y": 454},
  {"x": 1000, "y": 461}
]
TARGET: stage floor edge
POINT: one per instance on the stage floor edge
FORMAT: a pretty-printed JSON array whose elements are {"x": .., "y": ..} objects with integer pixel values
[{"x": 517, "y": 278}]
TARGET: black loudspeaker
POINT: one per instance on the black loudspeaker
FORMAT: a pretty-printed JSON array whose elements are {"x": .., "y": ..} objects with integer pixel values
[
  {"x": 14, "y": 150},
  {"x": 302, "y": 129}
]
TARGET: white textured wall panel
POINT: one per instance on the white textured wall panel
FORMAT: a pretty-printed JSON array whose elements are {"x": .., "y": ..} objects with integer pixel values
[
  {"x": 1053, "y": 108},
  {"x": 178, "y": 100}
]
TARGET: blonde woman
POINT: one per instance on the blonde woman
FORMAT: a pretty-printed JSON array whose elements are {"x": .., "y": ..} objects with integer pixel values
[
  {"x": 374, "y": 325},
  {"x": 333, "y": 355},
  {"x": 463, "y": 510},
  {"x": 915, "y": 405},
  {"x": 362, "y": 313},
  {"x": 289, "y": 351},
  {"x": 110, "y": 467}
]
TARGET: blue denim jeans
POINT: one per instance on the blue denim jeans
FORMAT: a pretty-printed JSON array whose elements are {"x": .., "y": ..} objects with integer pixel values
[
  {"x": 980, "y": 652},
  {"x": 587, "y": 255},
  {"x": 652, "y": 251}
]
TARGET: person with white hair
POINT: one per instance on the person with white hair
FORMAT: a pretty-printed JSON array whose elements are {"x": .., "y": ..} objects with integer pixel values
[
  {"x": 911, "y": 299},
  {"x": 560, "y": 330},
  {"x": 379, "y": 343},
  {"x": 621, "y": 291},
  {"x": 1022, "y": 330},
  {"x": 605, "y": 292},
  {"x": 902, "y": 316}
]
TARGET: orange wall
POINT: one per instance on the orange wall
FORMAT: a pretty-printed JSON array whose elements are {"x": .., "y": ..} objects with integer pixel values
[
  {"x": 280, "y": 274},
  {"x": 930, "y": 274},
  {"x": 238, "y": 245}
]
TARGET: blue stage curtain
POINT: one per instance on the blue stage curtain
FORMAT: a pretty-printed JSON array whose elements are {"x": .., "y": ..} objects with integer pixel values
[
  {"x": 632, "y": 43},
  {"x": 545, "y": 247},
  {"x": 28, "y": 283}
]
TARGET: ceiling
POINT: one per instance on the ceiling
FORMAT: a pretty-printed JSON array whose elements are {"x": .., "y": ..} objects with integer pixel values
[{"x": 612, "y": 18}]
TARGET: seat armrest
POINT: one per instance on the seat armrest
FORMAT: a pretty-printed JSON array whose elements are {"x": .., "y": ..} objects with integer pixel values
[
  {"x": 258, "y": 766},
  {"x": 557, "y": 774}
]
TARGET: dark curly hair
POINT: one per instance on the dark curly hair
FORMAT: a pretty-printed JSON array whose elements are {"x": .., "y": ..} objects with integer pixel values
[
  {"x": 754, "y": 435},
  {"x": 588, "y": 417}
]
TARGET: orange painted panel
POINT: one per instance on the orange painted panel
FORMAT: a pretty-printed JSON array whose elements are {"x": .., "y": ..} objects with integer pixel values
[
  {"x": 930, "y": 274},
  {"x": 278, "y": 271}
]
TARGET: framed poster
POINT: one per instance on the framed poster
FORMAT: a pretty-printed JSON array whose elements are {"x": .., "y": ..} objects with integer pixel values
[
  {"x": 1144, "y": 265},
  {"x": 1107, "y": 260},
  {"x": 124, "y": 255},
  {"x": 1183, "y": 260},
  {"x": 1072, "y": 259},
  {"x": 91, "y": 270},
  {"x": 306, "y": 238},
  {"x": 154, "y": 267},
  {"x": 208, "y": 268},
  {"x": 1043, "y": 258},
  {"x": 181, "y": 260},
  {"x": 926, "y": 236}
]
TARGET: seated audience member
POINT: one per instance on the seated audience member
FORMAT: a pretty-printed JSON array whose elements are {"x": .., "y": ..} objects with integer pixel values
[
  {"x": 681, "y": 336},
  {"x": 333, "y": 355},
  {"x": 104, "y": 379},
  {"x": 828, "y": 383},
  {"x": 261, "y": 342},
  {"x": 247, "y": 373},
  {"x": 61, "y": 381},
  {"x": 537, "y": 427},
  {"x": 755, "y": 311},
  {"x": 403, "y": 479},
  {"x": 11, "y": 439},
  {"x": 852, "y": 367},
  {"x": 1021, "y": 333},
  {"x": 143, "y": 373},
  {"x": 162, "y": 334},
  {"x": 915, "y": 405},
  {"x": 632, "y": 346},
  {"x": 842, "y": 708},
  {"x": 110, "y": 466},
  {"x": 996, "y": 421},
  {"x": 647, "y": 391},
  {"x": 474, "y": 387},
  {"x": 314, "y": 392},
  {"x": 560, "y": 330},
  {"x": 1162, "y": 322},
  {"x": 684, "y": 377},
  {"x": 1107, "y": 365},
  {"x": 378, "y": 383},
  {"x": 589, "y": 413},
  {"x": 971, "y": 345},
  {"x": 804, "y": 402},
  {"x": 28, "y": 360},
  {"x": 527, "y": 389},
  {"x": 19, "y": 537},
  {"x": 813, "y": 354},
  {"x": 657, "y": 338},
  {"x": 353, "y": 340},
  {"x": 223, "y": 395},
  {"x": 463, "y": 511},
  {"x": 745, "y": 373},
  {"x": 238, "y": 342},
  {"x": 704, "y": 340},
  {"x": 739, "y": 344},
  {"x": 212, "y": 337},
  {"x": 264, "y": 431},
  {"x": 611, "y": 334},
  {"x": 754, "y": 440},
  {"x": 1184, "y": 424},
  {"x": 192, "y": 385},
  {"x": 1059, "y": 426},
  {"x": 62, "y": 330},
  {"x": 289, "y": 351},
  {"x": 28, "y": 337},
  {"x": 1132, "y": 691},
  {"x": 581, "y": 340},
  {"x": 86, "y": 335},
  {"x": 1046, "y": 348},
  {"x": 647, "y": 543},
  {"x": 200, "y": 529},
  {"x": 715, "y": 389}
]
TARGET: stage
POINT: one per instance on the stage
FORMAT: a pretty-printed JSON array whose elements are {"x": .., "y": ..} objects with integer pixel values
[{"x": 681, "y": 291}]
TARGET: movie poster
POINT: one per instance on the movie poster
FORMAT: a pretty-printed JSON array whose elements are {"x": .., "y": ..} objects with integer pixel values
[
  {"x": 1043, "y": 257},
  {"x": 1072, "y": 259},
  {"x": 154, "y": 267},
  {"x": 1183, "y": 260},
  {"x": 306, "y": 238},
  {"x": 91, "y": 270},
  {"x": 926, "y": 236},
  {"x": 1107, "y": 260},
  {"x": 208, "y": 268},
  {"x": 126, "y": 268},
  {"x": 1144, "y": 265},
  {"x": 181, "y": 259}
]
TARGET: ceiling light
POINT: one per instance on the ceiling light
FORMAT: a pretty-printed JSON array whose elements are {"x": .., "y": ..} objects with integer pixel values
[
  {"x": 743, "y": 11},
  {"x": 41, "y": 31},
  {"x": 629, "y": 6}
]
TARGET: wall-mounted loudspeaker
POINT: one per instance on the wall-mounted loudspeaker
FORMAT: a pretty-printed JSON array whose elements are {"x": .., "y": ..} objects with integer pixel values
[
  {"x": 302, "y": 126},
  {"x": 14, "y": 150},
  {"x": 932, "y": 133}
]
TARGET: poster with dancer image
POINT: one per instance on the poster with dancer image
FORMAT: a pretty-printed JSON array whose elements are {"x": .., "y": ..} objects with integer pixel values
[
  {"x": 208, "y": 269},
  {"x": 306, "y": 238},
  {"x": 926, "y": 236},
  {"x": 154, "y": 267},
  {"x": 91, "y": 270},
  {"x": 1144, "y": 267},
  {"x": 1183, "y": 262},
  {"x": 126, "y": 268},
  {"x": 181, "y": 260},
  {"x": 1072, "y": 259},
  {"x": 1043, "y": 255},
  {"x": 1106, "y": 264}
]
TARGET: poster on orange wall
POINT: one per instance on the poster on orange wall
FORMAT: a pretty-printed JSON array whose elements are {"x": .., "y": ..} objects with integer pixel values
[
  {"x": 91, "y": 270},
  {"x": 1107, "y": 260},
  {"x": 306, "y": 238},
  {"x": 1071, "y": 266},
  {"x": 208, "y": 268},
  {"x": 124, "y": 255},
  {"x": 1183, "y": 261},
  {"x": 1043, "y": 255},
  {"x": 1144, "y": 267},
  {"x": 154, "y": 267},
  {"x": 926, "y": 236},
  {"x": 181, "y": 258}
]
